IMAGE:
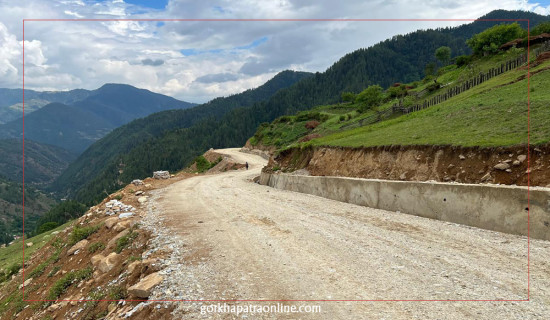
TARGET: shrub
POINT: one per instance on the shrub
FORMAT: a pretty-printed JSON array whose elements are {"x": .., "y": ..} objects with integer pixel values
[
  {"x": 202, "y": 164},
  {"x": 342, "y": 118},
  {"x": 540, "y": 29},
  {"x": 463, "y": 60},
  {"x": 488, "y": 41},
  {"x": 395, "y": 92},
  {"x": 371, "y": 96},
  {"x": 443, "y": 54},
  {"x": 311, "y": 115},
  {"x": 117, "y": 293},
  {"x": 433, "y": 86},
  {"x": 82, "y": 233},
  {"x": 10, "y": 271},
  {"x": 348, "y": 96},
  {"x": 283, "y": 119},
  {"x": 125, "y": 241},
  {"x": 96, "y": 247},
  {"x": 47, "y": 227}
]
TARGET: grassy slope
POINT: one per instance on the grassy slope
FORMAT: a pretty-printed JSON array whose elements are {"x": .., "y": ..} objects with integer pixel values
[
  {"x": 14, "y": 254},
  {"x": 487, "y": 115},
  {"x": 491, "y": 114}
]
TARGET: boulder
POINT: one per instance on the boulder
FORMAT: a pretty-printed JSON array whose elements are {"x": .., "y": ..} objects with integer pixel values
[
  {"x": 161, "y": 175},
  {"x": 137, "y": 182},
  {"x": 109, "y": 223},
  {"x": 142, "y": 199},
  {"x": 502, "y": 166},
  {"x": 522, "y": 158},
  {"x": 25, "y": 284},
  {"x": 143, "y": 288},
  {"x": 125, "y": 215},
  {"x": 132, "y": 266},
  {"x": 97, "y": 259},
  {"x": 123, "y": 225},
  {"x": 78, "y": 246},
  {"x": 29, "y": 244},
  {"x": 139, "y": 193},
  {"x": 486, "y": 177},
  {"x": 461, "y": 157},
  {"x": 105, "y": 265}
]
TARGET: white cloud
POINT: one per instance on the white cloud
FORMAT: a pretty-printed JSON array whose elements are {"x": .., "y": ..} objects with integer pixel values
[{"x": 221, "y": 58}]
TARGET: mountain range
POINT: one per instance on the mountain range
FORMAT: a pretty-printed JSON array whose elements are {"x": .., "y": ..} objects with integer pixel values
[{"x": 76, "y": 124}]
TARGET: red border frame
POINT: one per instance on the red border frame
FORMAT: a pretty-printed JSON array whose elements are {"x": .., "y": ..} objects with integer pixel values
[{"x": 297, "y": 20}]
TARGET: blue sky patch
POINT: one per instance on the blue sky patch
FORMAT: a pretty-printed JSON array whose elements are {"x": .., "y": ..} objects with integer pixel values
[
  {"x": 253, "y": 45},
  {"x": 194, "y": 52},
  {"x": 155, "y": 4}
]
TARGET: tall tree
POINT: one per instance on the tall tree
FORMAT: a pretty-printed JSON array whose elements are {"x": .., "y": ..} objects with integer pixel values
[{"x": 443, "y": 54}]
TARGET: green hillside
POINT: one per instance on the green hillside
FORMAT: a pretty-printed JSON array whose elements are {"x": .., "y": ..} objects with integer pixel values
[
  {"x": 493, "y": 113},
  {"x": 43, "y": 163}
]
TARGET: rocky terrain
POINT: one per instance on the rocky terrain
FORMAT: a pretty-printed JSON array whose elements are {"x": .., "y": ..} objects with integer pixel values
[{"x": 101, "y": 267}]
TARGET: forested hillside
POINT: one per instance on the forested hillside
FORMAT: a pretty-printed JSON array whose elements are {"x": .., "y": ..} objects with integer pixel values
[
  {"x": 400, "y": 59},
  {"x": 11, "y": 208},
  {"x": 43, "y": 163}
]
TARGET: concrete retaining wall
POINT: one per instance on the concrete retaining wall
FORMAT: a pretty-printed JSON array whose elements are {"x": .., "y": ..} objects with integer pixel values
[{"x": 493, "y": 207}]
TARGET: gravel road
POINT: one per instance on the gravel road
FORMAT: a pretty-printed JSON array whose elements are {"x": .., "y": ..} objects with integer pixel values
[{"x": 235, "y": 239}]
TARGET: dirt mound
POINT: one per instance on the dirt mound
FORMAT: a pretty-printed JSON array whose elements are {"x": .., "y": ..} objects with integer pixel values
[{"x": 502, "y": 165}]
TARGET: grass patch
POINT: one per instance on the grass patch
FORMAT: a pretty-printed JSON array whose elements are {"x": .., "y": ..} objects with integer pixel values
[
  {"x": 134, "y": 258},
  {"x": 54, "y": 270},
  {"x": 97, "y": 246},
  {"x": 81, "y": 233},
  {"x": 117, "y": 293},
  {"x": 491, "y": 114},
  {"x": 125, "y": 241},
  {"x": 61, "y": 285}
]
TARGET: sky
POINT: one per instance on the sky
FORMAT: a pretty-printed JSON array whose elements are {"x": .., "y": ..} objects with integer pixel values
[{"x": 198, "y": 61}]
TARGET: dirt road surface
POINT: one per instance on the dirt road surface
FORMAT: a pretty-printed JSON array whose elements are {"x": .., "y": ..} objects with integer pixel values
[{"x": 235, "y": 239}]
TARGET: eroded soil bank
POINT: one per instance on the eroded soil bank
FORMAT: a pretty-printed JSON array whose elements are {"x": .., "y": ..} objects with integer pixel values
[{"x": 498, "y": 165}]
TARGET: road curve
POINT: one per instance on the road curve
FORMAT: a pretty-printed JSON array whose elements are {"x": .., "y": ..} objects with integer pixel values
[{"x": 240, "y": 240}]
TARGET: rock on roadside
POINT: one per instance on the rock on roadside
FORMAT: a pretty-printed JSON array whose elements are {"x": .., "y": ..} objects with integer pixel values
[{"x": 143, "y": 288}]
